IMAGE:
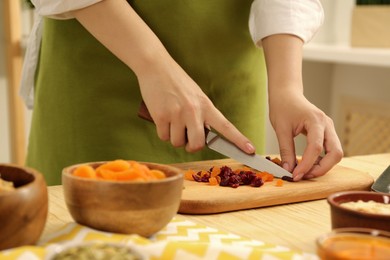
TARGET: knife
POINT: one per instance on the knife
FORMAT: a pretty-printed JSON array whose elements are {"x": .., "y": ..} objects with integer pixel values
[
  {"x": 227, "y": 148},
  {"x": 382, "y": 184}
]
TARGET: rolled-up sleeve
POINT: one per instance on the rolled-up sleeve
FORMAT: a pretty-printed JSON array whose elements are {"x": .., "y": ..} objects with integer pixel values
[
  {"x": 60, "y": 9},
  {"x": 301, "y": 18}
]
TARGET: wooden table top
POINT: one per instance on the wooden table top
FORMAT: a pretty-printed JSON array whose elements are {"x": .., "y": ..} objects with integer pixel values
[{"x": 295, "y": 226}]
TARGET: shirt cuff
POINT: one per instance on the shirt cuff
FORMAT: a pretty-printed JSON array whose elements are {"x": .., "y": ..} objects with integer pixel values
[
  {"x": 60, "y": 9},
  {"x": 301, "y": 18}
]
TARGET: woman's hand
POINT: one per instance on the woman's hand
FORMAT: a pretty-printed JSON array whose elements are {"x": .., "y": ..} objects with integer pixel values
[
  {"x": 176, "y": 103},
  {"x": 292, "y": 114},
  {"x": 181, "y": 110}
]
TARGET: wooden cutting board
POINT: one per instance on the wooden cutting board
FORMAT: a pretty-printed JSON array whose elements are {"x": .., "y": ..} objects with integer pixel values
[{"x": 202, "y": 198}]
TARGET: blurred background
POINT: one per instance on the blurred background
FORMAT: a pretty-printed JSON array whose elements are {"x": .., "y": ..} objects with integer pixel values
[{"x": 346, "y": 73}]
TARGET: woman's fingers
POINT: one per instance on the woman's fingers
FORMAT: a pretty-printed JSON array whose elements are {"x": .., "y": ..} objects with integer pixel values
[
  {"x": 182, "y": 127},
  {"x": 314, "y": 148},
  {"x": 195, "y": 138},
  {"x": 225, "y": 128},
  {"x": 178, "y": 135},
  {"x": 286, "y": 148},
  {"x": 301, "y": 117},
  {"x": 313, "y": 164},
  {"x": 333, "y": 154}
]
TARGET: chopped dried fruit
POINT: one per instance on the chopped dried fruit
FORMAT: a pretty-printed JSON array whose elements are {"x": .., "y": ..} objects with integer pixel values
[
  {"x": 277, "y": 161},
  {"x": 188, "y": 175},
  {"x": 213, "y": 181},
  {"x": 225, "y": 176},
  {"x": 215, "y": 171},
  {"x": 279, "y": 183},
  {"x": 265, "y": 176}
]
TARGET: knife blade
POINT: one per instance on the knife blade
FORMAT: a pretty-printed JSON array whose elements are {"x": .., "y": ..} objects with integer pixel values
[
  {"x": 255, "y": 161},
  {"x": 227, "y": 148},
  {"x": 382, "y": 184}
]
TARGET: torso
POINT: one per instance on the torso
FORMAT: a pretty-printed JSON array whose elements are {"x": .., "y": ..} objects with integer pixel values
[{"x": 87, "y": 100}]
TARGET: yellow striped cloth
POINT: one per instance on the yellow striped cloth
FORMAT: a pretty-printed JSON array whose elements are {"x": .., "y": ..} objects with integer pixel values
[{"x": 180, "y": 239}]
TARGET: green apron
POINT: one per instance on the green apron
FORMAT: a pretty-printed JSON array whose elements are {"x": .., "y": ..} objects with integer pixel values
[{"x": 86, "y": 100}]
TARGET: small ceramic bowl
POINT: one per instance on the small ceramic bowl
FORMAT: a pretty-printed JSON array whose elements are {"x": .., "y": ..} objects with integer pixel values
[
  {"x": 353, "y": 217},
  {"x": 354, "y": 244},
  {"x": 23, "y": 210},
  {"x": 129, "y": 207}
]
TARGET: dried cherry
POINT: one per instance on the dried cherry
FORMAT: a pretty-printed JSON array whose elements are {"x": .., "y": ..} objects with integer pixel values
[{"x": 230, "y": 178}]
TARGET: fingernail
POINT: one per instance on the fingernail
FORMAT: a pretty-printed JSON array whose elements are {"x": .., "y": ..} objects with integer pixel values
[
  {"x": 298, "y": 177},
  {"x": 249, "y": 148},
  {"x": 286, "y": 166}
]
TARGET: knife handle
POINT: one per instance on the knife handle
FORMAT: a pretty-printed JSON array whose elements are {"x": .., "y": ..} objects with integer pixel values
[{"x": 143, "y": 113}]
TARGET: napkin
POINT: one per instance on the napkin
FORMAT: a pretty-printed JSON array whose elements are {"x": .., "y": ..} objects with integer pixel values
[{"x": 180, "y": 239}]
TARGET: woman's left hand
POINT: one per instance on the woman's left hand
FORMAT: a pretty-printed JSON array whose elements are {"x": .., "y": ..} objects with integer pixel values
[{"x": 292, "y": 114}]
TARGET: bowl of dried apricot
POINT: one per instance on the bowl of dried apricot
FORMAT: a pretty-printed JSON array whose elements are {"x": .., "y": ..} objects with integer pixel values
[
  {"x": 123, "y": 196},
  {"x": 363, "y": 209},
  {"x": 23, "y": 205}
]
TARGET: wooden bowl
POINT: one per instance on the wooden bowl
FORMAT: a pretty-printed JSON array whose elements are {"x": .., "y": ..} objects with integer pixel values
[
  {"x": 129, "y": 207},
  {"x": 342, "y": 217},
  {"x": 23, "y": 211}
]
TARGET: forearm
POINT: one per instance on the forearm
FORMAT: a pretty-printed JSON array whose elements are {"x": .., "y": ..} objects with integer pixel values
[
  {"x": 283, "y": 55},
  {"x": 118, "y": 27},
  {"x": 292, "y": 114}
]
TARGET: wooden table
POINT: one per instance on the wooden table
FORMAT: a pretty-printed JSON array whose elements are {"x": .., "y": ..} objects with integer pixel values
[{"x": 294, "y": 225}]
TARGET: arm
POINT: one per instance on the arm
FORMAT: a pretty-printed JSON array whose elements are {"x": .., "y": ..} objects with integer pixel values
[
  {"x": 176, "y": 103},
  {"x": 292, "y": 114},
  {"x": 282, "y": 27}
]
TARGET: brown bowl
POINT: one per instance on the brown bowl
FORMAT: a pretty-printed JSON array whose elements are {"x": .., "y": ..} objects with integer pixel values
[
  {"x": 23, "y": 211},
  {"x": 129, "y": 207},
  {"x": 344, "y": 217}
]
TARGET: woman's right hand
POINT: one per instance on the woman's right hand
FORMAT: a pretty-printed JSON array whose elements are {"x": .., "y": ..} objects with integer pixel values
[
  {"x": 176, "y": 103},
  {"x": 181, "y": 110}
]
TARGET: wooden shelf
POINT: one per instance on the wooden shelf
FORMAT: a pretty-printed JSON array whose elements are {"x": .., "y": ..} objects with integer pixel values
[
  {"x": 346, "y": 54},
  {"x": 14, "y": 59}
]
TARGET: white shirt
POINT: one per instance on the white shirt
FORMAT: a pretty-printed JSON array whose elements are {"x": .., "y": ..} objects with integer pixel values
[{"x": 267, "y": 17}]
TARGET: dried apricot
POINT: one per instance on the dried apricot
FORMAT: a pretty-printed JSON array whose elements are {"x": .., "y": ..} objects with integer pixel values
[
  {"x": 213, "y": 181},
  {"x": 279, "y": 183},
  {"x": 188, "y": 175},
  {"x": 215, "y": 171},
  {"x": 120, "y": 170},
  {"x": 85, "y": 171}
]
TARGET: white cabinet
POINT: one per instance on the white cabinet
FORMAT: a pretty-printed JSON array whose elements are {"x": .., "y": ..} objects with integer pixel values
[
  {"x": 357, "y": 81},
  {"x": 337, "y": 77}
]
